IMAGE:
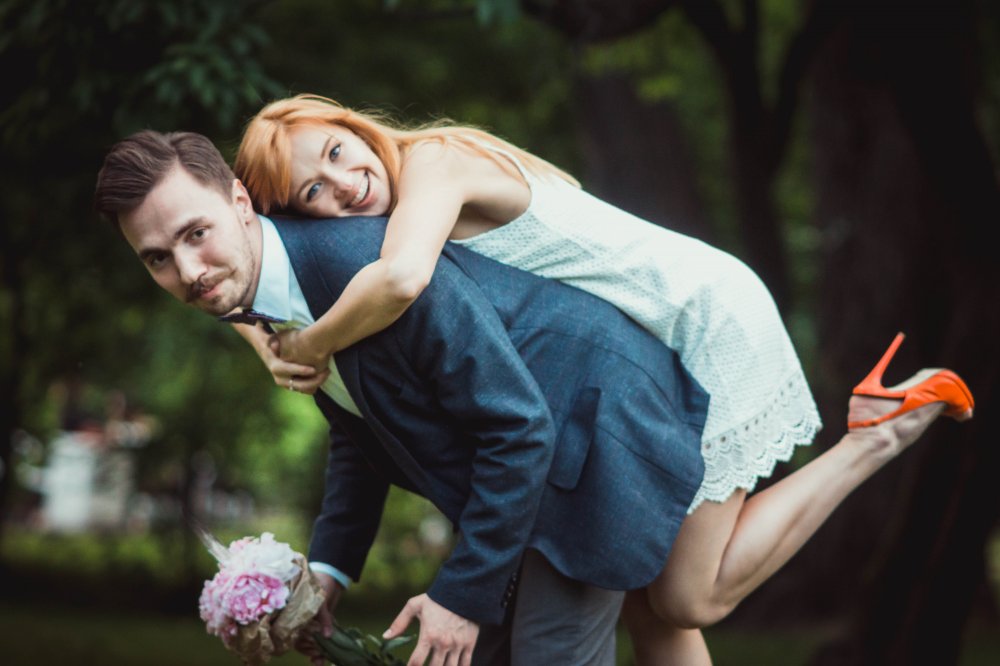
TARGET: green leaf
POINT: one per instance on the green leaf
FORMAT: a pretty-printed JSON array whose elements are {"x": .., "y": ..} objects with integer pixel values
[
  {"x": 350, "y": 647},
  {"x": 501, "y": 12},
  {"x": 396, "y": 642}
]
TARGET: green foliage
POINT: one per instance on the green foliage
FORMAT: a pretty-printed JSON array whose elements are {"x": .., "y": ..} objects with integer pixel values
[
  {"x": 156, "y": 556},
  {"x": 413, "y": 540},
  {"x": 80, "y": 307},
  {"x": 131, "y": 62},
  {"x": 486, "y": 12},
  {"x": 988, "y": 44},
  {"x": 352, "y": 647},
  {"x": 512, "y": 79},
  {"x": 497, "y": 11}
]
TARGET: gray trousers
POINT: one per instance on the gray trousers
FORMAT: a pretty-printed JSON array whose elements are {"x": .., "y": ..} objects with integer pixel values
[{"x": 556, "y": 622}]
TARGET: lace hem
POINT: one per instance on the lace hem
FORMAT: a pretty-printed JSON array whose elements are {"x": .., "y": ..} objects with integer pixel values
[{"x": 740, "y": 456}]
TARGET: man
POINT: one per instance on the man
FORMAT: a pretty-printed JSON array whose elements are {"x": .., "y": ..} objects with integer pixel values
[{"x": 561, "y": 439}]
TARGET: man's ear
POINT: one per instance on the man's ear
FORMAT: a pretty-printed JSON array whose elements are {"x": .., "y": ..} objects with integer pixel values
[{"x": 241, "y": 200}]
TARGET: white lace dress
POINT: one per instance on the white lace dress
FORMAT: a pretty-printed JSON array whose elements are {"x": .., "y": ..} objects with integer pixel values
[{"x": 705, "y": 304}]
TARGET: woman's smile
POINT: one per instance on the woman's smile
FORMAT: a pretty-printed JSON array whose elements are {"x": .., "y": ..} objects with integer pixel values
[{"x": 335, "y": 173}]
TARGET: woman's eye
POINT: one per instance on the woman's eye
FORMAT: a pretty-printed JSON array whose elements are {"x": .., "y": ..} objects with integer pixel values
[
  {"x": 313, "y": 191},
  {"x": 334, "y": 152}
]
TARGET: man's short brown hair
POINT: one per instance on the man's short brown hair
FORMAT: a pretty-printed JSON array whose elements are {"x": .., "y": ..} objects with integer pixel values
[{"x": 137, "y": 164}]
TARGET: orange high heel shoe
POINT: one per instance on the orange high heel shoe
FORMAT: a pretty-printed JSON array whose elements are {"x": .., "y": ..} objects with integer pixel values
[{"x": 927, "y": 386}]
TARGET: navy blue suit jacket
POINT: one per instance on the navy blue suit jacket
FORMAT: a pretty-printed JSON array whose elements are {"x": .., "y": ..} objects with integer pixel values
[{"x": 529, "y": 412}]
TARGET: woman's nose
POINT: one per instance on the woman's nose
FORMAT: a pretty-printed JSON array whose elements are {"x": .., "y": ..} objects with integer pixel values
[{"x": 339, "y": 179}]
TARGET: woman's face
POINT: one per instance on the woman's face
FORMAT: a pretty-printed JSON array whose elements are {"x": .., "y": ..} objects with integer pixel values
[{"x": 336, "y": 174}]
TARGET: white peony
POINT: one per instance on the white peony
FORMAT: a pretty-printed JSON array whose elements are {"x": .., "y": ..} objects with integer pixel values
[{"x": 264, "y": 555}]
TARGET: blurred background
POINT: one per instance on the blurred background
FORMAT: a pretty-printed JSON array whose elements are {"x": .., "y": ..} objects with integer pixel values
[{"x": 847, "y": 151}]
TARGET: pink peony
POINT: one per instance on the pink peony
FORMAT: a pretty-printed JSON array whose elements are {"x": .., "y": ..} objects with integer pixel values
[
  {"x": 212, "y": 606},
  {"x": 247, "y": 597}
]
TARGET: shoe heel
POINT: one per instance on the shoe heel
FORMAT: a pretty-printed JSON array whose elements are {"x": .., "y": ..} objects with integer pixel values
[{"x": 872, "y": 384}]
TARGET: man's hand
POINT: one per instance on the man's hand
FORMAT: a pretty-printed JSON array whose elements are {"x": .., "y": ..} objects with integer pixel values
[
  {"x": 448, "y": 639},
  {"x": 323, "y": 622}
]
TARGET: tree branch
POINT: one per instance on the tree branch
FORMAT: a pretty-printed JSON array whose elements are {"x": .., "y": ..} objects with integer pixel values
[
  {"x": 822, "y": 19},
  {"x": 409, "y": 15},
  {"x": 707, "y": 16},
  {"x": 596, "y": 20}
]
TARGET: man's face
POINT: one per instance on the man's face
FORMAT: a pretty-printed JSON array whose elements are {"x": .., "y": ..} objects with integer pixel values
[{"x": 199, "y": 245}]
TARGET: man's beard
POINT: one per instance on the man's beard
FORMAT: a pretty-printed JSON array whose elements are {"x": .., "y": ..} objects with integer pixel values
[{"x": 240, "y": 277}]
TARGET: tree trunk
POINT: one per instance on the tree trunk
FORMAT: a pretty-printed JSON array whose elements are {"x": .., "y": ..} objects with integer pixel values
[
  {"x": 904, "y": 179},
  {"x": 636, "y": 157},
  {"x": 12, "y": 372}
]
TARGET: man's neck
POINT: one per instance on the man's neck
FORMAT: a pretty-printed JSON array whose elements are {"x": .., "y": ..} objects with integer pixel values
[{"x": 257, "y": 253}]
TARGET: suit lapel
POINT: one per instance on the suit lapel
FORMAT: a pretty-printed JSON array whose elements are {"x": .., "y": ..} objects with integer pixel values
[{"x": 320, "y": 296}]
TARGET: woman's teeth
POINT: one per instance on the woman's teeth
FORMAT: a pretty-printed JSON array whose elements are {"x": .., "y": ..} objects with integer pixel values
[{"x": 362, "y": 191}]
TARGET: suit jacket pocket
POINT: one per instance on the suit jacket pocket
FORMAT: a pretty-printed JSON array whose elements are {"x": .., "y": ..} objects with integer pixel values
[{"x": 574, "y": 440}]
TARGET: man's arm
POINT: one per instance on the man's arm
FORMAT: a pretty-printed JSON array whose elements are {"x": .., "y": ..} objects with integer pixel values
[
  {"x": 455, "y": 340},
  {"x": 353, "y": 498}
]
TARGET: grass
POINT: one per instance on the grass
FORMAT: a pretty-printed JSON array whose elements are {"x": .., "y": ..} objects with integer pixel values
[
  {"x": 44, "y": 632},
  {"x": 39, "y": 634}
]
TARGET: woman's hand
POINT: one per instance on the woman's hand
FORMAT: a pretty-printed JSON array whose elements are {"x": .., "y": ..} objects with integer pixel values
[
  {"x": 298, "y": 347},
  {"x": 290, "y": 375}
]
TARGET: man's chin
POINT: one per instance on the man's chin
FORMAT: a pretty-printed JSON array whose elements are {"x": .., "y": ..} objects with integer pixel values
[{"x": 214, "y": 307}]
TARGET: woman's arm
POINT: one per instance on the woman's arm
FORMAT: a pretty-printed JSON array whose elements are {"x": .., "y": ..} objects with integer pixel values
[
  {"x": 435, "y": 182},
  {"x": 307, "y": 378}
]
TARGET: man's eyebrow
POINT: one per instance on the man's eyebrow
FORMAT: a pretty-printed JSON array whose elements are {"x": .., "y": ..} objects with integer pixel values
[
  {"x": 147, "y": 252},
  {"x": 322, "y": 152}
]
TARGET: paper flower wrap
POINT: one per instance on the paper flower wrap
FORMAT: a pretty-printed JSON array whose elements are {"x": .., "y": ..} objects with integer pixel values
[{"x": 261, "y": 599}]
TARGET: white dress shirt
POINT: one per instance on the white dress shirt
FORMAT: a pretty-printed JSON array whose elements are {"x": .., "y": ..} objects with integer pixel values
[{"x": 279, "y": 295}]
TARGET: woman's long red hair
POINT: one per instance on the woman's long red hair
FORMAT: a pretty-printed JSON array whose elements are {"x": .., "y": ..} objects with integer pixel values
[{"x": 263, "y": 161}]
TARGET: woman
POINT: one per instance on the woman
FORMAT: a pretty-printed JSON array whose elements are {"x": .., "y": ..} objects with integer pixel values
[{"x": 312, "y": 157}]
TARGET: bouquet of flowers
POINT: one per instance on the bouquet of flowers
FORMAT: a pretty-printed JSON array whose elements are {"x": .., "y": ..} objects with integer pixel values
[{"x": 264, "y": 596}]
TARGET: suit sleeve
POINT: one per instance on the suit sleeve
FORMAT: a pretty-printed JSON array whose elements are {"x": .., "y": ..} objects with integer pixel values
[
  {"x": 353, "y": 499},
  {"x": 455, "y": 340}
]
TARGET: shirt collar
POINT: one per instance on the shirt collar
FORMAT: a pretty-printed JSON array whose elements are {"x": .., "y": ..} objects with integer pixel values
[{"x": 272, "y": 289}]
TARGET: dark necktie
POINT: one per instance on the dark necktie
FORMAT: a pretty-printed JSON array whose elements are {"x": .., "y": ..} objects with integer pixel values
[{"x": 251, "y": 317}]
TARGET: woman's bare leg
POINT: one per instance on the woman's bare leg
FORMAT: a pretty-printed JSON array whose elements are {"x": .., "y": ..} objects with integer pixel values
[
  {"x": 656, "y": 642},
  {"x": 725, "y": 551}
]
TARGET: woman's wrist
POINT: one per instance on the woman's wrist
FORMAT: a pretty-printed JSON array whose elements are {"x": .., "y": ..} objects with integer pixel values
[{"x": 310, "y": 345}]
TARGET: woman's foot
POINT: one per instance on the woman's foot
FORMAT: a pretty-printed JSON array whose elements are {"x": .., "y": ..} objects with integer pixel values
[
  {"x": 890, "y": 419},
  {"x": 889, "y": 438}
]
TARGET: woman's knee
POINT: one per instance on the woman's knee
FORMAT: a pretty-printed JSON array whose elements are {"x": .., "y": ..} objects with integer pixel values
[{"x": 689, "y": 612}]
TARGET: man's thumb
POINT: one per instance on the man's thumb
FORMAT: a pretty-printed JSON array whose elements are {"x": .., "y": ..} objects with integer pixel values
[{"x": 326, "y": 621}]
